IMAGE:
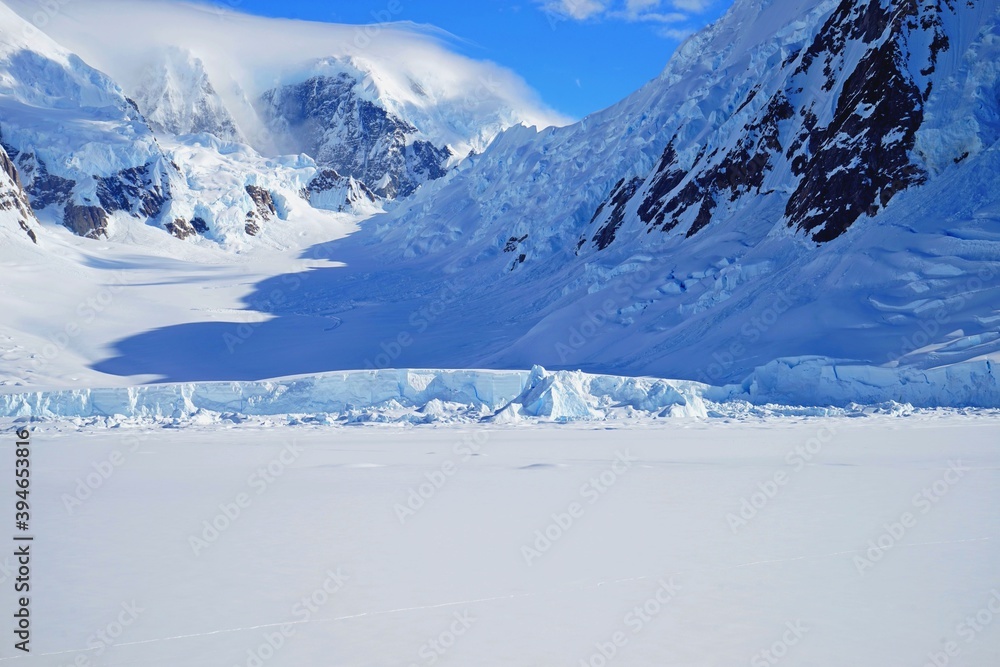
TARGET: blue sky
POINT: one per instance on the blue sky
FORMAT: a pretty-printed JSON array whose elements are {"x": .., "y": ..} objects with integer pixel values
[{"x": 580, "y": 55}]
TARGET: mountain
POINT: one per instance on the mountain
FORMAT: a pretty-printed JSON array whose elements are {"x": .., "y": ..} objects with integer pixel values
[
  {"x": 806, "y": 179},
  {"x": 82, "y": 149},
  {"x": 807, "y": 193},
  {"x": 388, "y": 105},
  {"x": 176, "y": 97},
  {"x": 324, "y": 116},
  {"x": 14, "y": 205}
]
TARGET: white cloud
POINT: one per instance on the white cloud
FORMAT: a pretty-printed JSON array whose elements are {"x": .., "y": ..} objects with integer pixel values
[
  {"x": 694, "y": 6},
  {"x": 576, "y": 9},
  {"x": 654, "y": 17},
  {"x": 636, "y": 11},
  {"x": 245, "y": 55},
  {"x": 638, "y": 6},
  {"x": 679, "y": 34}
]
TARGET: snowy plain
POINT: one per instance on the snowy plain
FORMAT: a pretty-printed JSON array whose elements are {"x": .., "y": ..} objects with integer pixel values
[{"x": 869, "y": 541}]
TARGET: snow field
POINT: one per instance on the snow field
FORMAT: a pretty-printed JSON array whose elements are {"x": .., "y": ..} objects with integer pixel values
[{"x": 802, "y": 541}]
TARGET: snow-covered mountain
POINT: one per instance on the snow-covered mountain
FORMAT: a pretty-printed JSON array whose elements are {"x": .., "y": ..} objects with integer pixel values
[
  {"x": 82, "y": 149},
  {"x": 805, "y": 178},
  {"x": 388, "y": 106},
  {"x": 324, "y": 116},
  {"x": 14, "y": 206},
  {"x": 177, "y": 98}
]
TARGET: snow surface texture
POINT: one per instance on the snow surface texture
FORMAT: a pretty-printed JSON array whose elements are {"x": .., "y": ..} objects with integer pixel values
[
  {"x": 329, "y": 505},
  {"x": 796, "y": 387}
]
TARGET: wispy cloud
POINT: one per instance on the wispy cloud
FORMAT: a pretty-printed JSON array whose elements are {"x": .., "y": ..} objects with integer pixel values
[
  {"x": 678, "y": 34},
  {"x": 666, "y": 13},
  {"x": 693, "y": 6},
  {"x": 575, "y": 9}
]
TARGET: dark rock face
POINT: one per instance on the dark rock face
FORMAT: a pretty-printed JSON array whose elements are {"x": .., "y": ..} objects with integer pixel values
[
  {"x": 715, "y": 176},
  {"x": 263, "y": 200},
  {"x": 856, "y": 164},
  {"x": 843, "y": 168},
  {"x": 327, "y": 180},
  {"x": 136, "y": 191},
  {"x": 88, "y": 221},
  {"x": 47, "y": 190},
  {"x": 513, "y": 242},
  {"x": 13, "y": 196},
  {"x": 183, "y": 229},
  {"x": 357, "y": 138},
  {"x": 44, "y": 189},
  {"x": 263, "y": 212},
  {"x": 618, "y": 200}
]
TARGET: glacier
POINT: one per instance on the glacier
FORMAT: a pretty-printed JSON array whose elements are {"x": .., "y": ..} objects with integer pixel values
[{"x": 789, "y": 387}]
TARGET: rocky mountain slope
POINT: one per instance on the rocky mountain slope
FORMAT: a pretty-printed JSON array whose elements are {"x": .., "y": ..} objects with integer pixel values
[
  {"x": 82, "y": 149},
  {"x": 14, "y": 205}
]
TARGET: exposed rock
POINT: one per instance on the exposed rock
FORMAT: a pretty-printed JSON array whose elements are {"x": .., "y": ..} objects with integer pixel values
[
  {"x": 326, "y": 118},
  {"x": 181, "y": 228},
  {"x": 854, "y": 166},
  {"x": 714, "y": 176},
  {"x": 43, "y": 189},
  {"x": 513, "y": 242},
  {"x": 263, "y": 200},
  {"x": 13, "y": 197},
  {"x": 618, "y": 199},
  {"x": 329, "y": 190},
  {"x": 137, "y": 191},
  {"x": 849, "y": 165},
  {"x": 88, "y": 221}
]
